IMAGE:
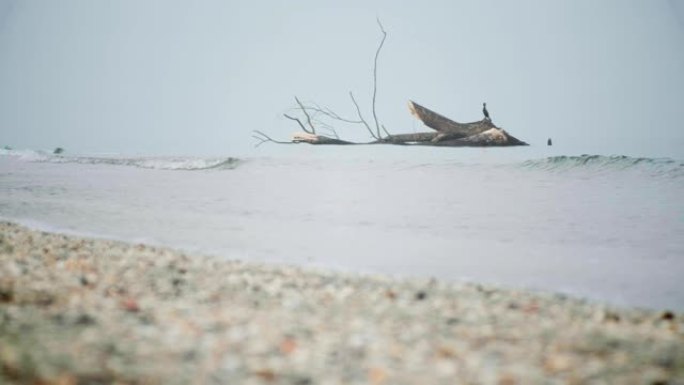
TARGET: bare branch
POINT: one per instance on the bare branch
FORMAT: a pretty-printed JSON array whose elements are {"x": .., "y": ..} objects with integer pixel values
[
  {"x": 331, "y": 114},
  {"x": 308, "y": 118},
  {"x": 318, "y": 109},
  {"x": 358, "y": 111},
  {"x": 263, "y": 138},
  {"x": 334, "y": 133},
  {"x": 331, "y": 132},
  {"x": 375, "y": 76},
  {"x": 386, "y": 132},
  {"x": 260, "y": 140},
  {"x": 298, "y": 121},
  {"x": 329, "y": 129}
]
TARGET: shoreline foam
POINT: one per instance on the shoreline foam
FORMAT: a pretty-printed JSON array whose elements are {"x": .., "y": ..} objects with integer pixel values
[{"x": 76, "y": 310}]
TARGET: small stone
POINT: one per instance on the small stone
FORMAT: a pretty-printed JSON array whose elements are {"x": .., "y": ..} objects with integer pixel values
[
  {"x": 265, "y": 374},
  {"x": 611, "y": 317},
  {"x": 445, "y": 352},
  {"x": 391, "y": 295},
  {"x": 531, "y": 308},
  {"x": 377, "y": 375},
  {"x": 667, "y": 316},
  {"x": 507, "y": 379},
  {"x": 421, "y": 295},
  {"x": 6, "y": 295},
  {"x": 131, "y": 305},
  {"x": 85, "y": 319},
  {"x": 288, "y": 345},
  {"x": 303, "y": 381},
  {"x": 558, "y": 363}
]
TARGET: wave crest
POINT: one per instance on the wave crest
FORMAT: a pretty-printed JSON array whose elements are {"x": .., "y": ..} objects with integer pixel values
[{"x": 654, "y": 166}]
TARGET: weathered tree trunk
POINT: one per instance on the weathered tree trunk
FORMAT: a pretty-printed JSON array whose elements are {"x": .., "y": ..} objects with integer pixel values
[
  {"x": 420, "y": 137},
  {"x": 454, "y": 134},
  {"x": 490, "y": 138},
  {"x": 408, "y": 138},
  {"x": 305, "y": 137},
  {"x": 447, "y": 126}
]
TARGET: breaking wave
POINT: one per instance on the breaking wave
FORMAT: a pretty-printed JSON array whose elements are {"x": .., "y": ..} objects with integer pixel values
[
  {"x": 156, "y": 163},
  {"x": 599, "y": 163}
]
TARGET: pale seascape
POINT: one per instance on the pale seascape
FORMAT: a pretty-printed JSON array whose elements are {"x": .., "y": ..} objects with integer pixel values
[{"x": 353, "y": 193}]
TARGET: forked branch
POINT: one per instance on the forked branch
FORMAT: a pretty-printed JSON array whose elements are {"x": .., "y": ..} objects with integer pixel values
[
  {"x": 317, "y": 111},
  {"x": 330, "y": 113},
  {"x": 298, "y": 122},
  {"x": 308, "y": 117},
  {"x": 263, "y": 138},
  {"x": 358, "y": 112}
]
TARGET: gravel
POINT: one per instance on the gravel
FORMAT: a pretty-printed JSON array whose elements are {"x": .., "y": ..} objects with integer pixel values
[{"x": 85, "y": 311}]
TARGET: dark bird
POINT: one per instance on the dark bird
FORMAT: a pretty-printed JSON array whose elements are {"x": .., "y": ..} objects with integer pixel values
[
  {"x": 549, "y": 142},
  {"x": 485, "y": 112}
]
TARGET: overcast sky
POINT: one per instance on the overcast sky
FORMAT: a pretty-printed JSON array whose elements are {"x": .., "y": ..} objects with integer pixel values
[{"x": 195, "y": 77}]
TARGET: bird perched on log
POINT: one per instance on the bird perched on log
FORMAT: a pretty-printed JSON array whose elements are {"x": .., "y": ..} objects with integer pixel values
[{"x": 485, "y": 112}]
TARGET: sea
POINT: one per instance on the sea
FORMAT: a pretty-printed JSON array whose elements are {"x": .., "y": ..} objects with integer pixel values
[{"x": 603, "y": 227}]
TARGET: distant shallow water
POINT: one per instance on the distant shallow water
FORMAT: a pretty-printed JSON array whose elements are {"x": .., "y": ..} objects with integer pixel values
[
  {"x": 606, "y": 228},
  {"x": 150, "y": 162}
]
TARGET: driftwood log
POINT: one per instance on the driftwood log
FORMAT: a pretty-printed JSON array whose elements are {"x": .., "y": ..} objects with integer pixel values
[
  {"x": 446, "y": 131},
  {"x": 454, "y": 134}
]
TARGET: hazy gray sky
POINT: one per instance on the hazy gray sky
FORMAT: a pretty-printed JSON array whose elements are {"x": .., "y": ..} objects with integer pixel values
[{"x": 195, "y": 77}]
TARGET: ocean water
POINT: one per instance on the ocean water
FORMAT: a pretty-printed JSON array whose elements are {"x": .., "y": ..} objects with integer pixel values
[{"x": 604, "y": 228}]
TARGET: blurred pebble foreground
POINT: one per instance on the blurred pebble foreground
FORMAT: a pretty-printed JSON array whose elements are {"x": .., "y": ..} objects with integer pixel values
[{"x": 79, "y": 311}]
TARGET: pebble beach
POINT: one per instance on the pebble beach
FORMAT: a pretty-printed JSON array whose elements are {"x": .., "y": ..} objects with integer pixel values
[{"x": 91, "y": 311}]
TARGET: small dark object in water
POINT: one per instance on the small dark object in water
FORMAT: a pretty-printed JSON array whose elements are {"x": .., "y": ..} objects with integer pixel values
[
  {"x": 58, "y": 150},
  {"x": 485, "y": 112},
  {"x": 420, "y": 295},
  {"x": 549, "y": 142}
]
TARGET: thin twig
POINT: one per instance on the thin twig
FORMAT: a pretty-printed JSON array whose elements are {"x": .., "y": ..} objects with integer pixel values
[
  {"x": 329, "y": 128},
  {"x": 329, "y": 131},
  {"x": 358, "y": 111},
  {"x": 375, "y": 75},
  {"x": 263, "y": 138},
  {"x": 308, "y": 118},
  {"x": 331, "y": 114},
  {"x": 298, "y": 121}
]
